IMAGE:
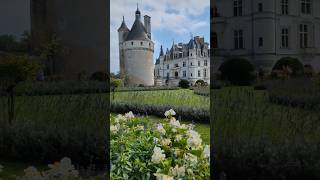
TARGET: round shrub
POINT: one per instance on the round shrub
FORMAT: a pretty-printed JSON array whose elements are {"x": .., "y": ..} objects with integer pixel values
[
  {"x": 237, "y": 71},
  {"x": 200, "y": 82},
  {"x": 294, "y": 64},
  {"x": 183, "y": 83}
]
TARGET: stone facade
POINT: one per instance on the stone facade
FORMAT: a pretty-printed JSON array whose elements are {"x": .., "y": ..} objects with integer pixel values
[
  {"x": 83, "y": 36},
  {"x": 136, "y": 52},
  {"x": 264, "y": 31},
  {"x": 189, "y": 61}
]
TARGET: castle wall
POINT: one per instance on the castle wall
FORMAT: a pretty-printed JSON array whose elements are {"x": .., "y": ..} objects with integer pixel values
[{"x": 138, "y": 62}]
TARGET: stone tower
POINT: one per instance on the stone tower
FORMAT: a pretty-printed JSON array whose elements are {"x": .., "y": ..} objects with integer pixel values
[
  {"x": 83, "y": 36},
  {"x": 136, "y": 52}
]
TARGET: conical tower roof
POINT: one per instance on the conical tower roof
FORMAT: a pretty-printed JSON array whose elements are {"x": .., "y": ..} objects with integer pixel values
[
  {"x": 123, "y": 26},
  {"x": 138, "y": 31}
]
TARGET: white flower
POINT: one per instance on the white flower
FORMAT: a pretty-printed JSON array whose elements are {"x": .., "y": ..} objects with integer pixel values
[
  {"x": 192, "y": 159},
  {"x": 174, "y": 130},
  {"x": 194, "y": 140},
  {"x": 174, "y": 122},
  {"x": 178, "y": 171},
  {"x": 206, "y": 151},
  {"x": 165, "y": 142},
  {"x": 120, "y": 118},
  {"x": 31, "y": 173},
  {"x": 178, "y": 137},
  {"x": 61, "y": 169},
  {"x": 171, "y": 112},
  {"x": 114, "y": 128},
  {"x": 129, "y": 115},
  {"x": 157, "y": 155},
  {"x": 162, "y": 176},
  {"x": 161, "y": 129}
]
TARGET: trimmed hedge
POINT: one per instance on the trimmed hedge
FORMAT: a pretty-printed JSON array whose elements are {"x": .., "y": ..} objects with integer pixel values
[{"x": 185, "y": 113}]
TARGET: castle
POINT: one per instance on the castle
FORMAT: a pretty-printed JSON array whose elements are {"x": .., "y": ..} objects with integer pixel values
[
  {"x": 264, "y": 31},
  {"x": 136, "y": 52},
  {"x": 190, "y": 61}
]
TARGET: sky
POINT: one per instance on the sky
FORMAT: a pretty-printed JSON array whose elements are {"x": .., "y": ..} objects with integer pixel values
[
  {"x": 171, "y": 21},
  {"x": 14, "y": 17}
]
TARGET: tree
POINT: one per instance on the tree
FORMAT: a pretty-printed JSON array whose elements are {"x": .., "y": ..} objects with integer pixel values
[
  {"x": 114, "y": 84},
  {"x": 13, "y": 70}
]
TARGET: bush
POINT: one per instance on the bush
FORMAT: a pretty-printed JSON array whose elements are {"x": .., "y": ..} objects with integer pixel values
[
  {"x": 183, "y": 83},
  {"x": 200, "y": 82},
  {"x": 296, "y": 67},
  {"x": 99, "y": 76},
  {"x": 142, "y": 150},
  {"x": 237, "y": 71}
]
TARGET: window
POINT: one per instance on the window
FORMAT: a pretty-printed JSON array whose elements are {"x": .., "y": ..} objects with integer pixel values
[
  {"x": 191, "y": 74},
  {"x": 284, "y": 7},
  {"x": 132, "y": 43},
  {"x": 176, "y": 75},
  {"x": 238, "y": 39},
  {"x": 237, "y": 7},
  {"x": 284, "y": 38},
  {"x": 205, "y": 73},
  {"x": 184, "y": 64},
  {"x": 303, "y": 35},
  {"x": 168, "y": 75},
  {"x": 205, "y": 63},
  {"x": 260, "y": 41},
  {"x": 176, "y": 65},
  {"x": 199, "y": 73},
  {"x": 168, "y": 66},
  {"x": 199, "y": 63},
  {"x": 191, "y": 64},
  {"x": 184, "y": 73},
  {"x": 158, "y": 72},
  {"x": 141, "y": 43},
  {"x": 215, "y": 40},
  {"x": 260, "y": 7},
  {"x": 306, "y": 6}
]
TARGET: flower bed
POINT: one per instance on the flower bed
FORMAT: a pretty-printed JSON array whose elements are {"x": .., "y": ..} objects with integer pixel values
[{"x": 168, "y": 150}]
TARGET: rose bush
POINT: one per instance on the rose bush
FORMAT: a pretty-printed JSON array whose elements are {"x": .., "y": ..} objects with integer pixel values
[{"x": 168, "y": 150}]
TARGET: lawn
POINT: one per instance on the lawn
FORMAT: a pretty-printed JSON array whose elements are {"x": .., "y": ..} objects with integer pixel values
[
  {"x": 256, "y": 138},
  {"x": 174, "y": 98}
]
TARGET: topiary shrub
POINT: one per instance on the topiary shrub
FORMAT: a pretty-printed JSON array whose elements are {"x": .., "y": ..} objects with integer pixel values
[
  {"x": 237, "y": 71},
  {"x": 184, "y": 83},
  {"x": 295, "y": 67},
  {"x": 200, "y": 82}
]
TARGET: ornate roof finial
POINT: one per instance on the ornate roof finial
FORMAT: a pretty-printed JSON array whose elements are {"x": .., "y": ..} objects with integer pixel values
[
  {"x": 161, "y": 51},
  {"x": 123, "y": 18}
]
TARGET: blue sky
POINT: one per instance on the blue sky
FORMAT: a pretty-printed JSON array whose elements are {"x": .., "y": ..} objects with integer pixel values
[{"x": 171, "y": 20}]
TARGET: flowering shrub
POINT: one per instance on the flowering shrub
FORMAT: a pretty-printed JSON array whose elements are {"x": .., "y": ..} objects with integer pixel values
[
  {"x": 59, "y": 170},
  {"x": 168, "y": 150}
]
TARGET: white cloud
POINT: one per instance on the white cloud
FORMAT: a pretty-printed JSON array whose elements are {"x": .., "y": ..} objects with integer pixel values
[{"x": 175, "y": 15}]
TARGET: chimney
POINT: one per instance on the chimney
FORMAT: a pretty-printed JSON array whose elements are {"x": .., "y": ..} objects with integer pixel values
[{"x": 147, "y": 25}]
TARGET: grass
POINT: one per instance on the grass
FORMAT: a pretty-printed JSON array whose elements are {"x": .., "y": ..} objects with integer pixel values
[
  {"x": 174, "y": 98},
  {"x": 254, "y": 137}
]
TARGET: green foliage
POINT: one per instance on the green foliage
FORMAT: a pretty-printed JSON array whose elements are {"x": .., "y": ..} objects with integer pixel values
[
  {"x": 100, "y": 76},
  {"x": 9, "y": 43},
  {"x": 294, "y": 64},
  {"x": 237, "y": 71},
  {"x": 115, "y": 83},
  {"x": 143, "y": 150},
  {"x": 18, "y": 68},
  {"x": 200, "y": 82},
  {"x": 183, "y": 83}
]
